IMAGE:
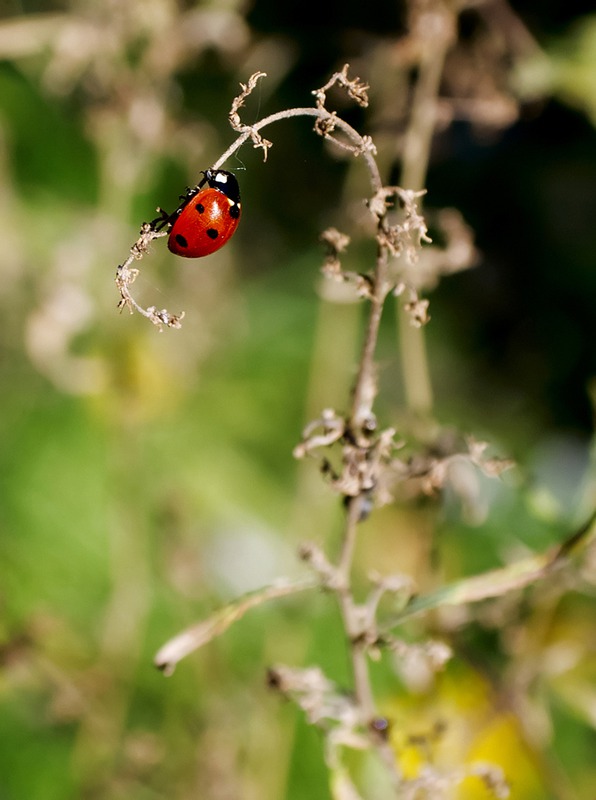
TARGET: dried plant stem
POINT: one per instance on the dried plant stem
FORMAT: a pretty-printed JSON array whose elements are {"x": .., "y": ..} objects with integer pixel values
[
  {"x": 360, "y": 421},
  {"x": 358, "y": 430},
  {"x": 362, "y": 689},
  {"x": 320, "y": 113},
  {"x": 361, "y": 417},
  {"x": 416, "y": 154},
  {"x": 358, "y": 644},
  {"x": 364, "y": 389},
  {"x": 197, "y": 635},
  {"x": 327, "y": 123}
]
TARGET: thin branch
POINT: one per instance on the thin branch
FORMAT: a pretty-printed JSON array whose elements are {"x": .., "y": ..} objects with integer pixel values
[
  {"x": 362, "y": 143},
  {"x": 357, "y": 144},
  {"x": 198, "y": 635},
  {"x": 498, "y": 582},
  {"x": 362, "y": 419},
  {"x": 357, "y": 431}
]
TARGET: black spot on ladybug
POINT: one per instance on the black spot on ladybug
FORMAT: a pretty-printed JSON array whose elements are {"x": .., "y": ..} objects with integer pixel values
[
  {"x": 200, "y": 208},
  {"x": 212, "y": 233},
  {"x": 235, "y": 211},
  {"x": 180, "y": 240}
]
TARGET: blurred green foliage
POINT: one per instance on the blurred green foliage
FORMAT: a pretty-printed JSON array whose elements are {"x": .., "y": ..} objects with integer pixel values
[{"x": 146, "y": 478}]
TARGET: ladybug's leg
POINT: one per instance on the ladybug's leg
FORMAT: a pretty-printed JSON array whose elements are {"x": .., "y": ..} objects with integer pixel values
[
  {"x": 166, "y": 219},
  {"x": 161, "y": 221}
]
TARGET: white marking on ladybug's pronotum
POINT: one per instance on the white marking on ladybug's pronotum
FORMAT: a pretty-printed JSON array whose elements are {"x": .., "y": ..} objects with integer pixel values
[{"x": 220, "y": 178}]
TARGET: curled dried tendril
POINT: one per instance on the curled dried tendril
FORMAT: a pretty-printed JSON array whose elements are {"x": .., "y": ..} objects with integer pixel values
[
  {"x": 321, "y": 433},
  {"x": 415, "y": 307},
  {"x": 355, "y": 88},
  {"x": 126, "y": 276},
  {"x": 360, "y": 463},
  {"x": 369, "y": 465},
  {"x": 335, "y": 240},
  {"x": 313, "y": 555},
  {"x": 325, "y": 126},
  {"x": 234, "y": 117},
  {"x": 361, "y": 467},
  {"x": 456, "y": 253},
  {"x": 408, "y": 235},
  {"x": 402, "y": 238},
  {"x": 367, "y": 146},
  {"x": 323, "y": 703},
  {"x": 326, "y": 123},
  {"x": 457, "y": 468},
  {"x": 337, "y": 243}
]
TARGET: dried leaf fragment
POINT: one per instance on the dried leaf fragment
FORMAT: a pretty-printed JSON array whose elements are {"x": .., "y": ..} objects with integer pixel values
[
  {"x": 256, "y": 138},
  {"x": 126, "y": 276},
  {"x": 355, "y": 88},
  {"x": 198, "y": 635}
]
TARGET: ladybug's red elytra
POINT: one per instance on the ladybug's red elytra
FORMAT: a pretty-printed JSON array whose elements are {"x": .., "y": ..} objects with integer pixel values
[{"x": 207, "y": 217}]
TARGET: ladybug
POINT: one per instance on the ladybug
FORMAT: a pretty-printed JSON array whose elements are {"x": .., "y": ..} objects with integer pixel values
[{"x": 207, "y": 217}]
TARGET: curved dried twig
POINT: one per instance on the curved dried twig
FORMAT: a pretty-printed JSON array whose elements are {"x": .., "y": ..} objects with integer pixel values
[{"x": 326, "y": 122}]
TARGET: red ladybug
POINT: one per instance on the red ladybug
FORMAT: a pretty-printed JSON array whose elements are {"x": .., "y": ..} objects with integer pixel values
[{"x": 207, "y": 217}]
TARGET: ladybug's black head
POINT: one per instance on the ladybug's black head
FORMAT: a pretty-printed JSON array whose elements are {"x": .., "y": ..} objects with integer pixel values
[{"x": 223, "y": 181}]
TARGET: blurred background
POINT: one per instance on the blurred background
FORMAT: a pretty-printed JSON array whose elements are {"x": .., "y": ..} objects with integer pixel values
[{"x": 146, "y": 478}]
